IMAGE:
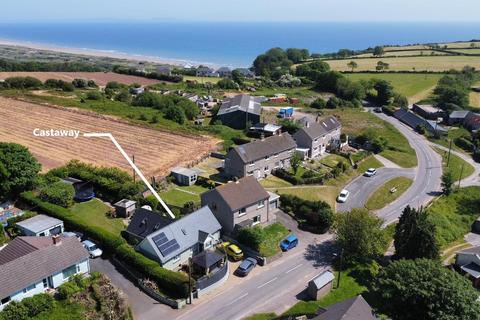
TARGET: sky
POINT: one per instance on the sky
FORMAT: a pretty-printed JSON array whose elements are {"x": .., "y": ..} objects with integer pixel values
[{"x": 240, "y": 10}]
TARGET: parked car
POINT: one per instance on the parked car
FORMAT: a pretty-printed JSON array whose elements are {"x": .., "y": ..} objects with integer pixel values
[
  {"x": 343, "y": 196},
  {"x": 245, "y": 267},
  {"x": 92, "y": 248},
  {"x": 232, "y": 251},
  {"x": 289, "y": 242},
  {"x": 370, "y": 172},
  {"x": 77, "y": 235}
]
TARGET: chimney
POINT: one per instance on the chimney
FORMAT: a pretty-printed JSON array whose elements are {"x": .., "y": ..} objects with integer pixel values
[{"x": 56, "y": 239}]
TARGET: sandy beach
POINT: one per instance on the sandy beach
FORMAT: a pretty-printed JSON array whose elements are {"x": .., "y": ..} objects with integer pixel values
[{"x": 99, "y": 53}]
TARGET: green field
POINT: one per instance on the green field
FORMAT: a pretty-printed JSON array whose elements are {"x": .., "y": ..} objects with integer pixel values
[
  {"x": 202, "y": 79},
  {"x": 392, "y": 53},
  {"x": 453, "y": 215},
  {"x": 313, "y": 193},
  {"x": 409, "y": 84},
  {"x": 427, "y": 63},
  {"x": 455, "y": 165},
  {"x": 178, "y": 196},
  {"x": 468, "y": 51},
  {"x": 94, "y": 213},
  {"x": 382, "y": 196},
  {"x": 355, "y": 122}
]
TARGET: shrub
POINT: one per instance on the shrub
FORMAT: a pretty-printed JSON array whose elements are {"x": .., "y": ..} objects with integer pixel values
[
  {"x": 318, "y": 214},
  {"x": 59, "y": 193},
  {"x": 68, "y": 289},
  {"x": 94, "y": 95},
  {"x": 251, "y": 237},
  {"x": 175, "y": 114},
  {"x": 23, "y": 83},
  {"x": 465, "y": 144},
  {"x": 27, "y": 308},
  {"x": 319, "y": 103},
  {"x": 80, "y": 83}
]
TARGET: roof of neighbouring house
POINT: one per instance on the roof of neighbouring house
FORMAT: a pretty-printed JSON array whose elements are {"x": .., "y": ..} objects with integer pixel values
[
  {"x": 459, "y": 114},
  {"x": 472, "y": 269},
  {"x": 428, "y": 108},
  {"x": 323, "y": 279},
  {"x": 266, "y": 127},
  {"x": 241, "y": 102},
  {"x": 242, "y": 193},
  {"x": 472, "y": 119},
  {"x": 352, "y": 309},
  {"x": 262, "y": 148},
  {"x": 182, "y": 234},
  {"x": 207, "y": 258},
  {"x": 224, "y": 69},
  {"x": 39, "y": 223},
  {"x": 472, "y": 250},
  {"x": 145, "y": 222},
  {"x": 27, "y": 260},
  {"x": 315, "y": 129}
]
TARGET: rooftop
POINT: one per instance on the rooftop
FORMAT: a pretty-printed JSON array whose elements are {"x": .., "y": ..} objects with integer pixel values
[
  {"x": 242, "y": 102},
  {"x": 39, "y": 223},
  {"x": 320, "y": 127},
  {"x": 184, "y": 171},
  {"x": 352, "y": 309},
  {"x": 125, "y": 203},
  {"x": 145, "y": 222},
  {"x": 270, "y": 146},
  {"x": 323, "y": 279}
]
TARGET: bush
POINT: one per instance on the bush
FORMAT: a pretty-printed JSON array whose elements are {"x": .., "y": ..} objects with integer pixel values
[
  {"x": 251, "y": 237},
  {"x": 465, "y": 144},
  {"x": 23, "y": 83},
  {"x": 59, "y": 193},
  {"x": 308, "y": 179},
  {"x": 176, "y": 114},
  {"x": 319, "y": 103},
  {"x": 94, "y": 95},
  {"x": 27, "y": 308},
  {"x": 68, "y": 289},
  {"x": 318, "y": 214},
  {"x": 80, "y": 83}
]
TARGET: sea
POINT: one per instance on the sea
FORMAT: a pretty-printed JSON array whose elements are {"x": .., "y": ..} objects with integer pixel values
[{"x": 231, "y": 44}]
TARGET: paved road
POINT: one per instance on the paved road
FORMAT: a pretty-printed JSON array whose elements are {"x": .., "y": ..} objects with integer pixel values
[{"x": 426, "y": 178}]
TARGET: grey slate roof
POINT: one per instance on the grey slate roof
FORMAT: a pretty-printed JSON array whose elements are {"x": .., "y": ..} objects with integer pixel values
[
  {"x": 459, "y": 114},
  {"x": 242, "y": 193},
  {"x": 242, "y": 102},
  {"x": 187, "y": 231},
  {"x": 352, "y": 309},
  {"x": 145, "y": 222},
  {"x": 270, "y": 146},
  {"x": 184, "y": 171},
  {"x": 317, "y": 129},
  {"x": 473, "y": 250},
  {"x": 27, "y": 260},
  {"x": 472, "y": 269},
  {"x": 39, "y": 223}
]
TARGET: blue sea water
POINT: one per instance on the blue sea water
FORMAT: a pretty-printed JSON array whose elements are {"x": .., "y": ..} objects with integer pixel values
[{"x": 232, "y": 44}]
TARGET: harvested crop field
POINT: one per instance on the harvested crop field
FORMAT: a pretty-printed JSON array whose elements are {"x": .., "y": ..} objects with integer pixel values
[
  {"x": 156, "y": 152},
  {"x": 100, "y": 78}
]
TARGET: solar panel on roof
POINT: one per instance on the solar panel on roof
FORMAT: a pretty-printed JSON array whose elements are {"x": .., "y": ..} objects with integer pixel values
[
  {"x": 168, "y": 247},
  {"x": 171, "y": 249},
  {"x": 160, "y": 239}
]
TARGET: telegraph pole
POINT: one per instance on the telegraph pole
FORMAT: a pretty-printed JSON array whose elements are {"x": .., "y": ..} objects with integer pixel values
[
  {"x": 461, "y": 176},
  {"x": 449, "y": 152}
]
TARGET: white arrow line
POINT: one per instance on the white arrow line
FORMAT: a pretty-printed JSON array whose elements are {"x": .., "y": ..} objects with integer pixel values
[{"x": 140, "y": 174}]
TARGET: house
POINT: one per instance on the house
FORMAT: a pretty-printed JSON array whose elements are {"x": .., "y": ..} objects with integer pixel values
[
  {"x": 204, "y": 71},
  {"x": 259, "y": 158},
  {"x": 414, "y": 121},
  {"x": 241, "y": 203},
  {"x": 472, "y": 121},
  {"x": 125, "y": 208},
  {"x": 165, "y": 70},
  {"x": 427, "y": 111},
  {"x": 145, "y": 222},
  {"x": 457, "y": 117},
  {"x": 321, "y": 285},
  {"x": 468, "y": 261},
  {"x": 318, "y": 136},
  {"x": 265, "y": 129},
  {"x": 33, "y": 265},
  {"x": 224, "y": 72},
  {"x": 246, "y": 73},
  {"x": 185, "y": 176},
  {"x": 40, "y": 226},
  {"x": 236, "y": 112},
  {"x": 352, "y": 309},
  {"x": 182, "y": 239}
]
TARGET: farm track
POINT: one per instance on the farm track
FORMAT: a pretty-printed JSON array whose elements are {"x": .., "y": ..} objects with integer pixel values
[{"x": 156, "y": 151}]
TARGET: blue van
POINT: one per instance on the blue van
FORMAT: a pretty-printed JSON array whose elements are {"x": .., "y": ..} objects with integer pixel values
[{"x": 289, "y": 242}]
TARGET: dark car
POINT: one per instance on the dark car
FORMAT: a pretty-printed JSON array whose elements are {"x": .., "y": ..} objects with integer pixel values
[{"x": 246, "y": 266}]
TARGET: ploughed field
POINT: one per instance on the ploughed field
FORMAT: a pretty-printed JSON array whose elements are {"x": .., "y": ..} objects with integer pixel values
[
  {"x": 100, "y": 78},
  {"x": 156, "y": 152}
]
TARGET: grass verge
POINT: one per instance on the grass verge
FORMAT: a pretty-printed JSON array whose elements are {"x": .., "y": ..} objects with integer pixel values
[
  {"x": 459, "y": 168},
  {"x": 382, "y": 196}
]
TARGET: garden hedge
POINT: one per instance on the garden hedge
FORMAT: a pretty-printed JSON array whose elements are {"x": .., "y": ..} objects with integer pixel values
[{"x": 174, "y": 284}]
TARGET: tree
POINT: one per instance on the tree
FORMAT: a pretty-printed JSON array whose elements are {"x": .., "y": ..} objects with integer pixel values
[
  {"x": 384, "y": 91},
  {"x": 318, "y": 103},
  {"x": 352, "y": 65},
  {"x": 238, "y": 77},
  {"x": 18, "y": 169},
  {"x": 295, "y": 162},
  {"x": 228, "y": 84},
  {"x": 400, "y": 101},
  {"x": 415, "y": 236},
  {"x": 59, "y": 193},
  {"x": 447, "y": 182},
  {"x": 176, "y": 114},
  {"x": 80, "y": 83},
  {"x": 359, "y": 233},
  {"x": 349, "y": 90},
  {"x": 381, "y": 66},
  {"x": 378, "y": 51},
  {"x": 273, "y": 61},
  {"x": 424, "y": 289}
]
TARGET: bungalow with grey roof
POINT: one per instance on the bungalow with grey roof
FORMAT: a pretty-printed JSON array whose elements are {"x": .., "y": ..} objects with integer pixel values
[
  {"x": 240, "y": 110},
  {"x": 173, "y": 244},
  {"x": 318, "y": 136},
  {"x": 40, "y": 226},
  {"x": 33, "y": 265},
  {"x": 259, "y": 158},
  {"x": 242, "y": 203}
]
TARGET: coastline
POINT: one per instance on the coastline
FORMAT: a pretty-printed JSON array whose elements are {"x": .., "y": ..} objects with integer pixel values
[{"x": 101, "y": 53}]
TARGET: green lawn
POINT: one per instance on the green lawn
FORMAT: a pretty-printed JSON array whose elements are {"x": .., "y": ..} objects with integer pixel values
[
  {"x": 313, "y": 193},
  {"x": 202, "y": 79},
  {"x": 343, "y": 179},
  {"x": 455, "y": 165},
  {"x": 274, "y": 182},
  {"x": 408, "y": 84},
  {"x": 274, "y": 233},
  {"x": 179, "y": 195},
  {"x": 355, "y": 122},
  {"x": 61, "y": 310},
  {"x": 94, "y": 213},
  {"x": 382, "y": 196},
  {"x": 262, "y": 316},
  {"x": 453, "y": 215}
]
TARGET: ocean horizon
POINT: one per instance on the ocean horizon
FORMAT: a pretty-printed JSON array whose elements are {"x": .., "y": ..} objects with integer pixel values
[{"x": 230, "y": 44}]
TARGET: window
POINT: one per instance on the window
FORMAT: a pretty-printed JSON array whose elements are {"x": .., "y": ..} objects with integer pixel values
[
  {"x": 256, "y": 220},
  {"x": 45, "y": 283},
  {"x": 5, "y": 300},
  {"x": 70, "y": 271},
  {"x": 266, "y": 168},
  {"x": 275, "y": 155},
  {"x": 250, "y": 163},
  {"x": 261, "y": 204},
  {"x": 176, "y": 258},
  {"x": 242, "y": 212},
  {"x": 29, "y": 288},
  {"x": 267, "y": 157}
]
